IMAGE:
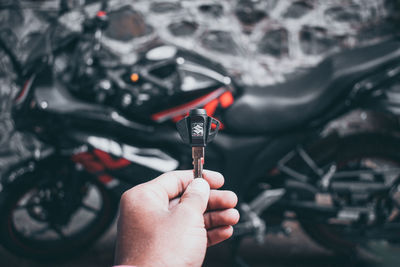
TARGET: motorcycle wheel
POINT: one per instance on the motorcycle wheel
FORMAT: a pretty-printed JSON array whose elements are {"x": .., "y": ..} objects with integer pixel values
[
  {"x": 375, "y": 151},
  {"x": 37, "y": 222}
]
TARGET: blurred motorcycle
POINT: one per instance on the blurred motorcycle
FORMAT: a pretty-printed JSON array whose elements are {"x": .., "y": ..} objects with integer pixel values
[{"x": 291, "y": 151}]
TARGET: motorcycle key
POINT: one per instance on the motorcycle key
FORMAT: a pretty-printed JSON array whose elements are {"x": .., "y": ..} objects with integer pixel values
[{"x": 197, "y": 129}]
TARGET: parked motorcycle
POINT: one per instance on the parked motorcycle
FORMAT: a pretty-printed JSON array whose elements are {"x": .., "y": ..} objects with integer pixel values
[{"x": 284, "y": 149}]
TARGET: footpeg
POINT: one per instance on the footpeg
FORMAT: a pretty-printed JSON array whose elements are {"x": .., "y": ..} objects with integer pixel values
[
  {"x": 252, "y": 224},
  {"x": 250, "y": 213}
]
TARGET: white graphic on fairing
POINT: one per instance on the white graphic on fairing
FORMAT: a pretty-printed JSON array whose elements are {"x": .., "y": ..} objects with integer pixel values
[{"x": 150, "y": 157}]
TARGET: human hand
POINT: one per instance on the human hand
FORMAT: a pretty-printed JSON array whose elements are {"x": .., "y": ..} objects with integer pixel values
[{"x": 170, "y": 221}]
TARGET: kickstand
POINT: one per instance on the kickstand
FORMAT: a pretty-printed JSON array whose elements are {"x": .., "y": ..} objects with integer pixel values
[{"x": 237, "y": 260}]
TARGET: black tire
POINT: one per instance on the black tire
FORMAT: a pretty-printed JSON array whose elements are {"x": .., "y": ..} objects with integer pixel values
[
  {"x": 357, "y": 146},
  {"x": 46, "y": 250}
]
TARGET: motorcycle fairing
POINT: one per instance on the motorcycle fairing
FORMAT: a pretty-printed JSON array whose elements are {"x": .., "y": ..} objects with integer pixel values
[
  {"x": 114, "y": 172},
  {"x": 149, "y": 157},
  {"x": 182, "y": 110}
]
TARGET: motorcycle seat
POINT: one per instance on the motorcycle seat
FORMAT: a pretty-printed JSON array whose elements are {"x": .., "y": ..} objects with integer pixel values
[{"x": 285, "y": 106}]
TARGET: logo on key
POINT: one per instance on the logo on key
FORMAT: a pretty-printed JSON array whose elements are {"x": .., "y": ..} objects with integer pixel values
[{"x": 197, "y": 129}]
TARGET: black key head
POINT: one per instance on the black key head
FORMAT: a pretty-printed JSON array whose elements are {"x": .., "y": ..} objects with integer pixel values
[{"x": 196, "y": 129}]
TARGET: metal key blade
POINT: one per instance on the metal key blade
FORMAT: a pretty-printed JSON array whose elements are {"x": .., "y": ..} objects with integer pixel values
[{"x": 198, "y": 159}]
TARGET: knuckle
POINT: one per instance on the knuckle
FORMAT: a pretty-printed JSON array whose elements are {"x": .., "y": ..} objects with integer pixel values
[
  {"x": 126, "y": 199},
  {"x": 211, "y": 219},
  {"x": 207, "y": 221},
  {"x": 131, "y": 196}
]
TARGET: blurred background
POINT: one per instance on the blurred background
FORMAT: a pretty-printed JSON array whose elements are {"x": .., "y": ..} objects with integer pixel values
[{"x": 258, "y": 43}]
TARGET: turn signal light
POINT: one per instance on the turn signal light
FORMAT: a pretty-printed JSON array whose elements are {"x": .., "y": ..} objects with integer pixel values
[{"x": 134, "y": 77}]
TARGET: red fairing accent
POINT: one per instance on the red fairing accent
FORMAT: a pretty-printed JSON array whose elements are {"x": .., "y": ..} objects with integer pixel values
[
  {"x": 211, "y": 107},
  {"x": 226, "y": 99},
  {"x": 24, "y": 91},
  {"x": 109, "y": 162},
  {"x": 89, "y": 162},
  {"x": 214, "y": 126},
  {"x": 105, "y": 178},
  {"x": 99, "y": 161},
  {"x": 183, "y": 109},
  {"x": 101, "y": 13}
]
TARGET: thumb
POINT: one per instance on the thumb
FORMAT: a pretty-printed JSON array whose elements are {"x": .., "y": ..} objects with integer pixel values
[{"x": 196, "y": 195}]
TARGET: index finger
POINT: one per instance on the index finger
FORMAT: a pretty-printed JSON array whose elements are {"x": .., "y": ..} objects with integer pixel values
[{"x": 174, "y": 183}]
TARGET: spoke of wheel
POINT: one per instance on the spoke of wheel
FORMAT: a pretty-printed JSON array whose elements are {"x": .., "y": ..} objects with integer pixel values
[
  {"x": 89, "y": 208},
  {"x": 40, "y": 231},
  {"x": 58, "y": 231}
]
